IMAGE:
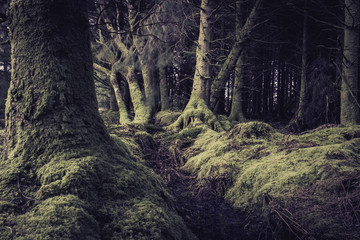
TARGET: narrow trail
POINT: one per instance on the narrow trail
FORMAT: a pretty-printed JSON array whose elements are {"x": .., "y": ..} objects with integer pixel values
[{"x": 206, "y": 213}]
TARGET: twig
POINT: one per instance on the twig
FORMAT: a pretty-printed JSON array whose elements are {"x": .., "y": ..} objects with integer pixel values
[{"x": 19, "y": 189}]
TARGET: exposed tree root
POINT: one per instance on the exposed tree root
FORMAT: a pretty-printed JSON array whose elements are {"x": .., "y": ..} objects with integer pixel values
[{"x": 195, "y": 114}]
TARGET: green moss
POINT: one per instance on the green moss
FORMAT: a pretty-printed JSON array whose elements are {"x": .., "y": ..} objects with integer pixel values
[
  {"x": 307, "y": 184},
  {"x": 61, "y": 217},
  {"x": 110, "y": 117},
  {"x": 196, "y": 114},
  {"x": 165, "y": 118},
  {"x": 62, "y": 176}
]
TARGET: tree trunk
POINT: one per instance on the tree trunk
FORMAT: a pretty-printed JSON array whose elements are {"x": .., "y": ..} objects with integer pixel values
[
  {"x": 123, "y": 113},
  {"x": 164, "y": 89},
  {"x": 219, "y": 82},
  {"x": 299, "y": 118},
  {"x": 141, "y": 110},
  {"x": 350, "y": 76},
  {"x": 145, "y": 58},
  {"x": 113, "y": 103},
  {"x": 61, "y": 175},
  {"x": 197, "y": 111},
  {"x": 237, "y": 113}
]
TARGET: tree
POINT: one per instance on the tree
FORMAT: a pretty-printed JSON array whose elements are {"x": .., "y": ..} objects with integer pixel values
[
  {"x": 243, "y": 34},
  {"x": 61, "y": 175},
  {"x": 237, "y": 113},
  {"x": 197, "y": 111},
  {"x": 350, "y": 65}
]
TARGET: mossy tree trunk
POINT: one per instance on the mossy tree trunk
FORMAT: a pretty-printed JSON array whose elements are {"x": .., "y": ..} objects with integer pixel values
[
  {"x": 126, "y": 67},
  {"x": 350, "y": 67},
  {"x": 145, "y": 55},
  {"x": 116, "y": 90},
  {"x": 237, "y": 113},
  {"x": 197, "y": 111},
  {"x": 51, "y": 119},
  {"x": 61, "y": 175},
  {"x": 123, "y": 113},
  {"x": 301, "y": 105},
  {"x": 113, "y": 103}
]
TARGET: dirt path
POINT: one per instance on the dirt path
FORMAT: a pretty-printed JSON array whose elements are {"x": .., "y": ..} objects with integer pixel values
[{"x": 206, "y": 213}]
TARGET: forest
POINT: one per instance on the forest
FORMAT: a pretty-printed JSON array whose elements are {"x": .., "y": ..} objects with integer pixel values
[{"x": 180, "y": 119}]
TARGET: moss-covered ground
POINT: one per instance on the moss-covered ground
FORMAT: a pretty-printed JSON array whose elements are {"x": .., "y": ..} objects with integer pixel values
[
  {"x": 250, "y": 182},
  {"x": 303, "y": 186},
  {"x": 97, "y": 193}
]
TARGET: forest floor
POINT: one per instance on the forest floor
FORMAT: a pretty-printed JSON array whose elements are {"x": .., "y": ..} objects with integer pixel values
[
  {"x": 204, "y": 210},
  {"x": 255, "y": 181},
  {"x": 259, "y": 182}
]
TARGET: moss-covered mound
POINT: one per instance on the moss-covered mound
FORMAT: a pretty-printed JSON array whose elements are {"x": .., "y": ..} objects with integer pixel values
[
  {"x": 96, "y": 193},
  {"x": 165, "y": 118},
  {"x": 298, "y": 186}
]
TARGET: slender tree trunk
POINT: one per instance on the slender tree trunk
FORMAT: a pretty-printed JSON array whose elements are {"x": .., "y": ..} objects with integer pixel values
[
  {"x": 299, "y": 118},
  {"x": 123, "y": 113},
  {"x": 113, "y": 103},
  {"x": 164, "y": 89},
  {"x": 350, "y": 76},
  {"x": 147, "y": 70},
  {"x": 237, "y": 113},
  {"x": 218, "y": 85},
  {"x": 145, "y": 56},
  {"x": 197, "y": 111},
  {"x": 202, "y": 67},
  {"x": 141, "y": 110}
]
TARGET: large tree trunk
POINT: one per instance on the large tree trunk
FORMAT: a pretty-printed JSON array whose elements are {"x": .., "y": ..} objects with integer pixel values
[
  {"x": 61, "y": 175},
  {"x": 350, "y": 67}
]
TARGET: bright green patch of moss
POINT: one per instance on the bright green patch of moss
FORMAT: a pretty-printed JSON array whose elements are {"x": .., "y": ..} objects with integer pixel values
[
  {"x": 165, "y": 118},
  {"x": 308, "y": 184}
]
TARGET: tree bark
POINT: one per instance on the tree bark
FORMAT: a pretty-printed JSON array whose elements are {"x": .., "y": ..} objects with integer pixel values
[
  {"x": 61, "y": 175},
  {"x": 350, "y": 76},
  {"x": 145, "y": 56},
  {"x": 141, "y": 109},
  {"x": 197, "y": 111}
]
